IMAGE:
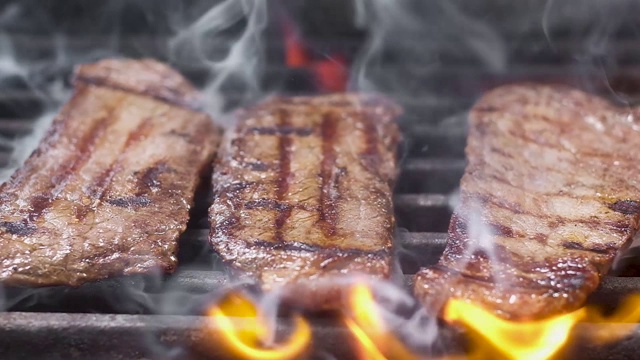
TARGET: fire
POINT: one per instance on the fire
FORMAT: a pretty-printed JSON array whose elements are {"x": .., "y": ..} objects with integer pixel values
[
  {"x": 375, "y": 341},
  {"x": 248, "y": 340},
  {"x": 238, "y": 327},
  {"x": 539, "y": 340},
  {"x": 531, "y": 340},
  {"x": 616, "y": 326},
  {"x": 490, "y": 336}
]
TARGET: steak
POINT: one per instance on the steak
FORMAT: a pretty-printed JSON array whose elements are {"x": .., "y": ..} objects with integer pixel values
[
  {"x": 303, "y": 194},
  {"x": 549, "y": 197},
  {"x": 108, "y": 190}
]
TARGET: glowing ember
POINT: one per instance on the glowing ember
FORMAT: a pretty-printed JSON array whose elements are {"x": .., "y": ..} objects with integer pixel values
[
  {"x": 248, "y": 341},
  {"x": 330, "y": 72},
  {"x": 295, "y": 53},
  {"x": 366, "y": 324}
]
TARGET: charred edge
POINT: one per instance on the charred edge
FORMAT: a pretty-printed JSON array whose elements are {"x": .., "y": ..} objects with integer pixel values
[
  {"x": 175, "y": 98},
  {"x": 282, "y": 130},
  {"x": 284, "y": 172},
  {"x": 626, "y": 207},
  {"x": 39, "y": 204},
  {"x": 20, "y": 228},
  {"x": 319, "y": 250},
  {"x": 131, "y": 202},
  {"x": 328, "y": 211}
]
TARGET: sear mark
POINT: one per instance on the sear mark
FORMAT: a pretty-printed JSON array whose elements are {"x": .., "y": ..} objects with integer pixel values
[
  {"x": 150, "y": 178},
  {"x": 21, "y": 228},
  {"x": 627, "y": 207},
  {"x": 130, "y": 202},
  {"x": 282, "y": 130},
  {"x": 266, "y": 204},
  {"x": 596, "y": 248},
  {"x": 259, "y": 166}
]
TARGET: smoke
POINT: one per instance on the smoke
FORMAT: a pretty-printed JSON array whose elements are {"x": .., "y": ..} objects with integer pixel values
[
  {"x": 410, "y": 43},
  {"x": 233, "y": 71},
  {"x": 33, "y": 80}
]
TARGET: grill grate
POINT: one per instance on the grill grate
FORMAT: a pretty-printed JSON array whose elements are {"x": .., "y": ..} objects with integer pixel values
[
  {"x": 95, "y": 318},
  {"x": 116, "y": 319}
]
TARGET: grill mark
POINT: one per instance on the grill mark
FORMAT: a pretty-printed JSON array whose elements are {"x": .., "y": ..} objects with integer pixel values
[
  {"x": 258, "y": 166},
  {"x": 102, "y": 182},
  {"x": 20, "y": 228},
  {"x": 40, "y": 203},
  {"x": 626, "y": 207},
  {"x": 597, "y": 248},
  {"x": 284, "y": 171},
  {"x": 131, "y": 202},
  {"x": 149, "y": 179},
  {"x": 328, "y": 211},
  {"x": 232, "y": 188},
  {"x": 319, "y": 250},
  {"x": 281, "y": 130},
  {"x": 276, "y": 205}
]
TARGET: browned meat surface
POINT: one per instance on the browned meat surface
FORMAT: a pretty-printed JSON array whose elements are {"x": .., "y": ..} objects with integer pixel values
[
  {"x": 109, "y": 188},
  {"x": 550, "y": 195},
  {"x": 303, "y": 194}
]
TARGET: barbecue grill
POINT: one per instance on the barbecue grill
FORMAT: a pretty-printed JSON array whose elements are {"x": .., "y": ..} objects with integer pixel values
[{"x": 129, "y": 317}]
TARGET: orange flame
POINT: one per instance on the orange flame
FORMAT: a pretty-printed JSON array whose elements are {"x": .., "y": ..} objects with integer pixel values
[
  {"x": 539, "y": 340},
  {"x": 531, "y": 340},
  {"x": 374, "y": 340},
  {"x": 247, "y": 341}
]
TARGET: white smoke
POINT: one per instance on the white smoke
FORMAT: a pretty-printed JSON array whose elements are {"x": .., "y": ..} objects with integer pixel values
[
  {"x": 407, "y": 41},
  {"x": 34, "y": 85},
  {"x": 238, "y": 70}
]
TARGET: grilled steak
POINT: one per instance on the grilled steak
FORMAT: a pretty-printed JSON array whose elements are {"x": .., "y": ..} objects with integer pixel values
[
  {"x": 303, "y": 194},
  {"x": 109, "y": 188},
  {"x": 549, "y": 196}
]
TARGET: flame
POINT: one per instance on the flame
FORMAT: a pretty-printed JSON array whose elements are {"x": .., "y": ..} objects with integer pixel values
[
  {"x": 539, "y": 340},
  {"x": 617, "y": 325},
  {"x": 531, "y": 340},
  {"x": 248, "y": 341},
  {"x": 374, "y": 340}
]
